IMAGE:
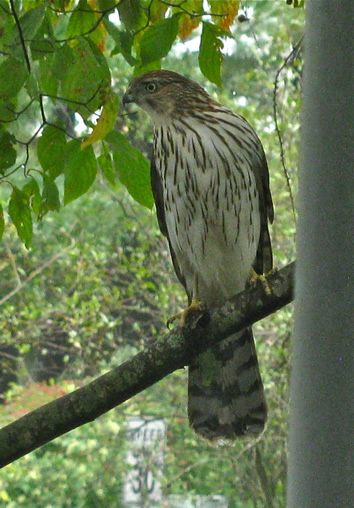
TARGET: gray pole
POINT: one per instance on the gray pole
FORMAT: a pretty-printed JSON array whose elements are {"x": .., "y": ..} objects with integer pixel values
[{"x": 321, "y": 469}]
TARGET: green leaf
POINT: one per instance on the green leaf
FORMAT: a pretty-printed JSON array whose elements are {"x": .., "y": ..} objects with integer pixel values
[
  {"x": 152, "y": 66},
  {"x": 133, "y": 169},
  {"x": 7, "y": 24},
  {"x": 2, "y": 221},
  {"x": 42, "y": 44},
  {"x": 158, "y": 39},
  {"x": 20, "y": 213},
  {"x": 31, "y": 86},
  {"x": 85, "y": 77},
  {"x": 50, "y": 197},
  {"x": 12, "y": 67},
  {"x": 30, "y": 22},
  {"x": 210, "y": 56},
  {"x": 106, "y": 4},
  {"x": 8, "y": 110},
  {"x": 106, "y": 166},
  {"x": 81, "y": 21},
  {"x": 46, "y": 80},
  {"x": 130, "y": 13},
  {"x": 80, "y": 171},
  {"x": 126, "y": 44},
  {"x": 51, "y": 151},
  {"x": 123, "y": 40},
  {"x": 7, "y": 152},
  {"x": 31, "y": 189},
  {"x": 64, "y": 58}
]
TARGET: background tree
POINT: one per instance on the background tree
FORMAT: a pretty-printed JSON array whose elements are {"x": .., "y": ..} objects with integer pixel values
[{"x": 100, "y": 268}]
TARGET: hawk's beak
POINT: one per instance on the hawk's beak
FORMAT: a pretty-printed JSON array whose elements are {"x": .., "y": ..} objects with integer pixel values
[{"x": 128, "y": 97}]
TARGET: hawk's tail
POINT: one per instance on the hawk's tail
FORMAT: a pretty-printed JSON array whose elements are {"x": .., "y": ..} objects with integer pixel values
[{"x": 225, "y": 391}]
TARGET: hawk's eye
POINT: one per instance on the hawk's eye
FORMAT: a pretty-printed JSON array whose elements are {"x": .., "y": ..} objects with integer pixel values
[{"x": 151, "y": 87}]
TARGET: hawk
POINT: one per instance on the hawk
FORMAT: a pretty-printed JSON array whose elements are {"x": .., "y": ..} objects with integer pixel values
[{"x": 210, "y": 182}]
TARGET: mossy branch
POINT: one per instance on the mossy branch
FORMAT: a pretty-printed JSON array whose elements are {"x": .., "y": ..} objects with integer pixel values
[{"x": 172, "y": 351}]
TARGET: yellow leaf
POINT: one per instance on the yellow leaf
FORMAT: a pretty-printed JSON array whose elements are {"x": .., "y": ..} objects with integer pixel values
[
  {"x": 191, "y": 19},
  {"x": 106, "y": 121},
  {"x": 186, "y": 26},
  {"x": 227, "y": 7}
]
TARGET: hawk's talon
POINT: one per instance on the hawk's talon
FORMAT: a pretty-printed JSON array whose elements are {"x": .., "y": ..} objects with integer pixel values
[
  {"x": 186, "y": 315},
  {"x": 263, "y": 279}
]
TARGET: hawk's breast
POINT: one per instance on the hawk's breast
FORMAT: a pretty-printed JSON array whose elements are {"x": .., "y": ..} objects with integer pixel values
[{"x": 211, "y": 200}]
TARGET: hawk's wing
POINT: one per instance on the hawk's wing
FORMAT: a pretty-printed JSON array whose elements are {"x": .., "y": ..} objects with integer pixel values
[
  {"x": 157, "y": 191},
  {"x": 264, "y": 258}
]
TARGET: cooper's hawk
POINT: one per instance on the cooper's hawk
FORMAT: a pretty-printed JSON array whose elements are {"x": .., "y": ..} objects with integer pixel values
[{"x": 210, "y": 182}]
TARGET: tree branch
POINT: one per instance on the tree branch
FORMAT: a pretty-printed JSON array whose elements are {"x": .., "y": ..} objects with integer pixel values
[
  {"x": 291, "y": 56},
  {"x": 172, "y": 351},
  {"x": 20, "y": 33}
]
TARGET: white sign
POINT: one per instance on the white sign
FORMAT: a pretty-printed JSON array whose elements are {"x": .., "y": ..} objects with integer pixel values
[{"x": 145, "y": 456}]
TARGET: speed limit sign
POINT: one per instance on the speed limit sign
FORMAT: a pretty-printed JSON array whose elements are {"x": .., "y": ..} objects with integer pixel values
[{"x": 145, "y": 457}]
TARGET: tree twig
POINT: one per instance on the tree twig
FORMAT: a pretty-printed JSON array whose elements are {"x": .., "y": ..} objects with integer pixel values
[
  {"x": 37, "y": 271},
  {"x": 290, "y": 56},
  {"x": 170, "y": 352},
  {"x": 20, "y": 33}
]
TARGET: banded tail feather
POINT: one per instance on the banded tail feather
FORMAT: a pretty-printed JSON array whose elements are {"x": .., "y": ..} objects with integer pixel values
[{"x": 225, "y": 391}]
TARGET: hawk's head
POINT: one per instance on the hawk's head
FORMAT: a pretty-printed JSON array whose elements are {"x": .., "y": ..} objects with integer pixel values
[{"x": 165, "y": 95}]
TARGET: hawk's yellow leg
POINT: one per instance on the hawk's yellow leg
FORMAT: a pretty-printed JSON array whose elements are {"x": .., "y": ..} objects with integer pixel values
[
  {"x": 255, "y": 276},
  {"x": 187, "y": 313}
]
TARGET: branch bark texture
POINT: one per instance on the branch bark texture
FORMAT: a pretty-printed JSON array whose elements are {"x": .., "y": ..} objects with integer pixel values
[{"x": 172, "y": 351}]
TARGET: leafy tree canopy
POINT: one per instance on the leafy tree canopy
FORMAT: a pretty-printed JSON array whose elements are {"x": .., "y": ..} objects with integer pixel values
[
  {"x": 57, "y": 55},
  {"x": 56, "y": 69}
]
